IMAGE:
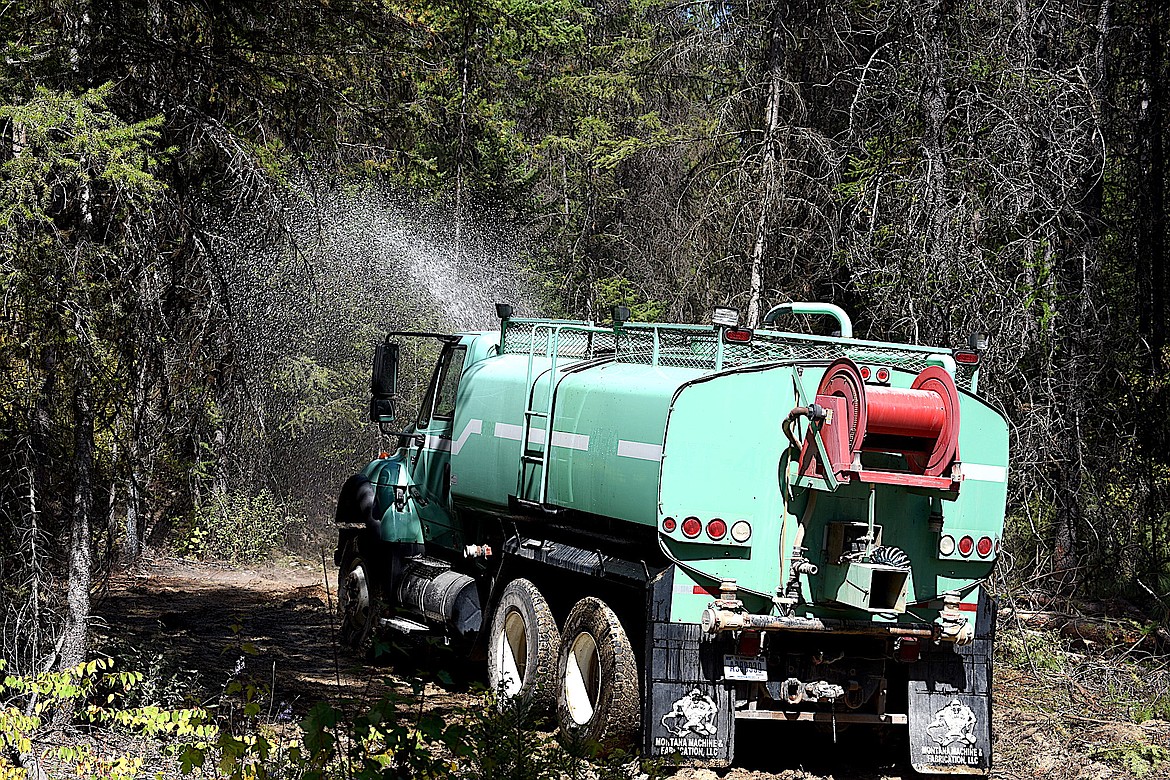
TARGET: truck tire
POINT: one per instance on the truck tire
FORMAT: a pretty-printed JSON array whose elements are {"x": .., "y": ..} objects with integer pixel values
[
  {"x": 359, "y": 601},
  {"x": 597, "y": 678},
  {"x": 522, "y": 647}
]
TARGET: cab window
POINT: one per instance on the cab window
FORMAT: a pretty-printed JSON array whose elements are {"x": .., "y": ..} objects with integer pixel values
[{"x": 445, "y": 386}]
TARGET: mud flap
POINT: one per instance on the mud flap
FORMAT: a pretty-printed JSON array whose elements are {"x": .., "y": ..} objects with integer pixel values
[
  {"x": 687, "y": 710},
  {"x": 950, "y": 703}
]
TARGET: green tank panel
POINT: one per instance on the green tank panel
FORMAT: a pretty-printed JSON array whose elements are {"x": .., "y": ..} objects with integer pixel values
[
  {"x": 734, "y": 419},
  {"x": 723, "y": 451},
  {"x": 616, "y": 416},
  {"x": 608, "y": 425}
]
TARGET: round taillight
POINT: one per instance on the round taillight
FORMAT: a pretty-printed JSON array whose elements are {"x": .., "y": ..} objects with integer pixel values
[
  {"x": 883, "y": 375},
  {"x": 716, "y": 529},
  {"x": 669, "y": 524},
  {"x": 691, "y": 527},
  {"x": 741, "y": 530},
  {"x": 966, "y": 545},
  {"x": 946, "y": 545},
  {"x": 864, "y": 370},
  {"x": 984, "y": 547}
]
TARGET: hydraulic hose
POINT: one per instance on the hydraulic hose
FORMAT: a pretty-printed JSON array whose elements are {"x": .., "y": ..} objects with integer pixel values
[{"x": 814, "y": 412}]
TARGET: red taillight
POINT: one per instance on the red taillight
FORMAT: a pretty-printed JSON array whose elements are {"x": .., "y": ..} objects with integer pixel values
[
  {"x": 716, "y": 529},
  {"x": 907, "y": 649},
  {"x": 749, "y": 643},
  {"x": 966, "y": 545},
  {"x": 669, "y": 524},
  {"x": 984, "y": 547},
  {"x": 883, "y": 375},
  {"x": 865, "y": 372},
  {"x": 691, "y": 527},
  {"x": 738, "y": 335},
  {"x": 966, "y": 357}
]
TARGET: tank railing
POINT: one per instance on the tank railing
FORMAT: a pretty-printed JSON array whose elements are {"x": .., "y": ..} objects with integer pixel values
[
  {"x": 809, "y": 307},
  {"x": 653, "y": 345},
  {"x": 519, "y": 323},
  {"x": 552, "y": 338}
]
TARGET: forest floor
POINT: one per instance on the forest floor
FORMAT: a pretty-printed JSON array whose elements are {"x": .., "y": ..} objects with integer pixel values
[{"x": 1062, "y": 712}]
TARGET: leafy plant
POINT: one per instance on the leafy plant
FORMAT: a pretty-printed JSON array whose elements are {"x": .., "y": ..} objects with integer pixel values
[
  {"x": 238, "y": 528},
  {"x": 1137, "y": 758},
  {"x": 95, "y": 692}
]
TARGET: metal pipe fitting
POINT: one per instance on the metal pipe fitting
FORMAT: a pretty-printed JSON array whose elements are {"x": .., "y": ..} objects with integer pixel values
[{"x": 715, "y": 620}]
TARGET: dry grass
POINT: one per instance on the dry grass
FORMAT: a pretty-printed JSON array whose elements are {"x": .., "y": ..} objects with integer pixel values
[{"x": 1069, "y": 709}]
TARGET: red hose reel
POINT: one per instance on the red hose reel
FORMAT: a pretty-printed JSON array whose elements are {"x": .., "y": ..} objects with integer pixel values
[{"x": 920, "y": 423}]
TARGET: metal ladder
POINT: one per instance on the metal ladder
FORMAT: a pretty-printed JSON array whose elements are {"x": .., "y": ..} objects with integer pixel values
[{"x": 528, "y": 455}]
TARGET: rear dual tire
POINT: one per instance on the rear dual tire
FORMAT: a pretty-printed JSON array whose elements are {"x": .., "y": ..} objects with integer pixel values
[
  {"x": 522, "y": 648},
  {"x": 597, "y": 693},
  {"x": 587, "y": 670}
]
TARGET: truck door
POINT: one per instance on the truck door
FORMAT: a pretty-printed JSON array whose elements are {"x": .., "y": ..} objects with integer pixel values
[{"x": 431, "y": 471}]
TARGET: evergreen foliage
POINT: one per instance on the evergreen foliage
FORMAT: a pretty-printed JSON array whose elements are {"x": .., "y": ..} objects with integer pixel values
[{"x": 934, "y": 168}]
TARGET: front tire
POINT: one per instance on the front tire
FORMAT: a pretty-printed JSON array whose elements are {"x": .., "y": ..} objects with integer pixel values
[
  {"x": 522, "y": 647},
  {"x": 359, "y": 601},
  {"x": 597, "y": 692}
]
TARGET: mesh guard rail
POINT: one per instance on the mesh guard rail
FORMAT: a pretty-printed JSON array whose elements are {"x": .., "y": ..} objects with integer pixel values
[{"x": 697, "y": 347}]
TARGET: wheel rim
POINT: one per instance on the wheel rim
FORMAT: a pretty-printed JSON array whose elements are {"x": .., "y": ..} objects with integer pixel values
[
  {"x": 512, "y": 653},
  {"x": 355, "y": 608},
  {"x": 582, "y": 678}
]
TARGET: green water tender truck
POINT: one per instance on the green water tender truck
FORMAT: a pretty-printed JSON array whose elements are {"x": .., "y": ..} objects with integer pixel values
[{"x": 661, "y": 531}]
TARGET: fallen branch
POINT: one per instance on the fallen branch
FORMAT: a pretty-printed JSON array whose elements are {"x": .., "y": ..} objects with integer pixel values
[{"x": 1092, "y": 630}]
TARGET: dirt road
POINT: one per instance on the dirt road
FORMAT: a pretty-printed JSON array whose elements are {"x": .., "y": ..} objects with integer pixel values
[{"x": 199, "y": 625}]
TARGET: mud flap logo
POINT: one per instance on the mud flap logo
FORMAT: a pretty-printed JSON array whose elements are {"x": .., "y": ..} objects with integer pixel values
[
  {"x": 691, "y": 726},
  {"x": 953, "y": 731},
  {"x": 692, "y": 714}
]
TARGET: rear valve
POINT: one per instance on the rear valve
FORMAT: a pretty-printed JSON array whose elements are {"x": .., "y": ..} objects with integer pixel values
[{"x": 814, "y": 412}]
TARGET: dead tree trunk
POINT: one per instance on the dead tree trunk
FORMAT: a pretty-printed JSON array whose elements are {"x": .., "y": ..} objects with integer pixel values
[
  {"x": 769, "y": 160},
  {"x": 75, "y": 645}
]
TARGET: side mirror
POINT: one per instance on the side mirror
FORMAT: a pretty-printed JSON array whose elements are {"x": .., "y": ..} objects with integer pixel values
[
  {"x": 382, "y": 410},
  {"x": 384, "y": 382}
]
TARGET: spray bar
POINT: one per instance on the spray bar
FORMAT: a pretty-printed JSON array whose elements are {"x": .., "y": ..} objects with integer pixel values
[{"x": 716, "y": 619}]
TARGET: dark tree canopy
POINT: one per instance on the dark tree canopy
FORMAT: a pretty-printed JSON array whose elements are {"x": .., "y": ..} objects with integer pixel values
[{"x": 205, "y": 209}]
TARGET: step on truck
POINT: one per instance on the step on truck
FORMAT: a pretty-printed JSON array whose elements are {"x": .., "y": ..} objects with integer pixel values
[{"x": 658, "y": 531}]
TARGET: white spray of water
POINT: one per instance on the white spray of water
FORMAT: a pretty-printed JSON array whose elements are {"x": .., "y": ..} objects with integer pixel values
[
  {"x": 410, "y": 252},
  {"x": 365, "y": 262}
]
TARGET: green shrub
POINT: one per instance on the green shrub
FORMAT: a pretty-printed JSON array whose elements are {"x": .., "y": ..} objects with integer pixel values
[
  {"x": 95, "y": 694},
  {"x": 238, "y": 528},
  {"x": 1137, "y": 758}
]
